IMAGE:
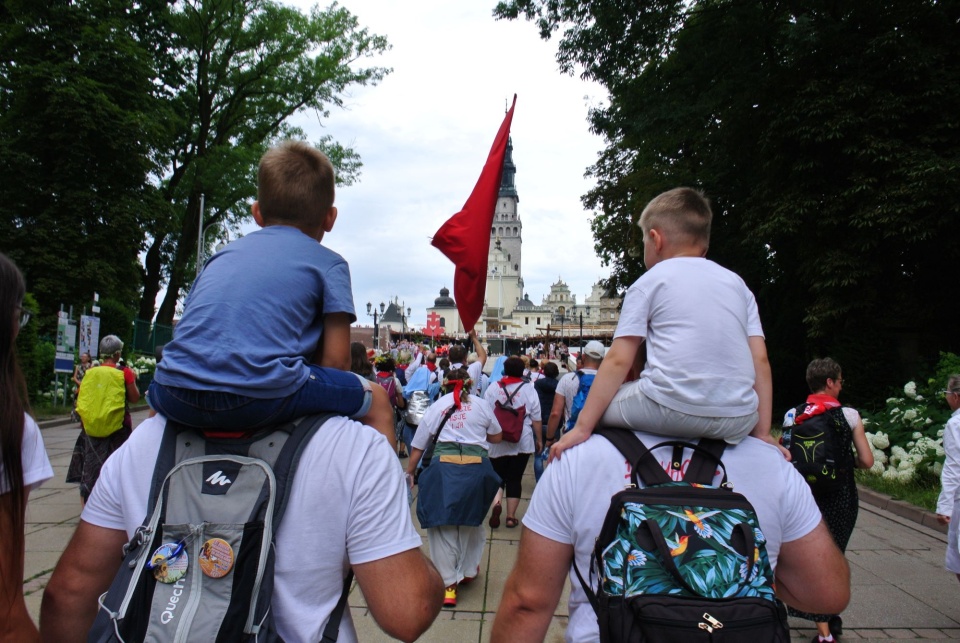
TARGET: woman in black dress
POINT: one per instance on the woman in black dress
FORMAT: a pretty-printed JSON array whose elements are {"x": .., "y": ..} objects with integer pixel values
[{"x": 839, "y": 504}]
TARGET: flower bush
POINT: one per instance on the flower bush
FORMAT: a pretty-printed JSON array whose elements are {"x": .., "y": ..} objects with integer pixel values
[
  {"x": 143, "y": 365},
  {"x": 906, "y": 437}
]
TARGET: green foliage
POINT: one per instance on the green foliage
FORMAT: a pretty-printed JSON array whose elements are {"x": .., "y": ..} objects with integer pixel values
[
  {"x": 116, "y": 318},
  {"x": 241, "y": 70},
  {"x": 824, "y": 136},
  {"x": 77, "y": 122},
  {"x": 28, "y": 352},
  {"x": 906, "y": 437}
]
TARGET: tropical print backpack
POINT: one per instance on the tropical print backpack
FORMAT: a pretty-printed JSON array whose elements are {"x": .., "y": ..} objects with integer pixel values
[{"x": 681, "y": 561}]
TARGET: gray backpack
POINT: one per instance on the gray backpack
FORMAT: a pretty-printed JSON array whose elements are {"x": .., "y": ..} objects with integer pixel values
[{"x": 201, "y": 565}]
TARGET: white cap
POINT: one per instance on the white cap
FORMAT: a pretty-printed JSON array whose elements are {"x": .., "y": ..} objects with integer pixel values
[{"x": 594, "y": 349}]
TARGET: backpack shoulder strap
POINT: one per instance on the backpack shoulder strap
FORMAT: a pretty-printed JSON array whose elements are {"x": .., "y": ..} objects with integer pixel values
[
  {"x": 702, "y": 468},
  {"x": 446, "y": 416},
  {"x": 514, "y": 394},
  {"x": 284, "y": 469}
]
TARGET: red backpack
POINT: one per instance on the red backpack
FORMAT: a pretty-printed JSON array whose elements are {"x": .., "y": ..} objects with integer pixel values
[{"x": 510, "y": 417}]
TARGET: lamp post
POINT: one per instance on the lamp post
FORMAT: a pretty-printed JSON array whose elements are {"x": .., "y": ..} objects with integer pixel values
[
  {"x": 581, "y": 327},
  {"x": 376, "y": 319},
  {"x": 403, "y": 317}
]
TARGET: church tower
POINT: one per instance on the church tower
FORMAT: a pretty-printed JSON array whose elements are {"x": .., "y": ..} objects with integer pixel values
[{"x": 504, "y": 280}]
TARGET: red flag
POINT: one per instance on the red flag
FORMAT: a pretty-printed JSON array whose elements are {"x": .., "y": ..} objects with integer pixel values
[{"x": 465, "y": 237}]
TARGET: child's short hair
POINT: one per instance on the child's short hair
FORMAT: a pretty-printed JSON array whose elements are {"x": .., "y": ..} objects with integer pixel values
[
  {"x": 819, "y": 371},
  {"x": 681, "y": 212},
  {"x": 295, "y": 184}
]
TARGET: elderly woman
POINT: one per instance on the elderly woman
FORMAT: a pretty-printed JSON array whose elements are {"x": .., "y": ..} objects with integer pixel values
[
  {"x": 948, "y": 504},
  {"x": 458, "y": 485},
  {"x": 510, "y": 459}
]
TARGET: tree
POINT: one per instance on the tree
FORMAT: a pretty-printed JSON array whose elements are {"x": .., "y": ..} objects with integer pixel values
[
  {"x": 242, "y": 68},
  {"x": 823, "y": 132},
  {"x": 78, "y": 121}
]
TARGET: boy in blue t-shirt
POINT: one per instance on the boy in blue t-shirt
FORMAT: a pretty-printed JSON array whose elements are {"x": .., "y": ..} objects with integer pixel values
[{"x": 265, "y": 333}]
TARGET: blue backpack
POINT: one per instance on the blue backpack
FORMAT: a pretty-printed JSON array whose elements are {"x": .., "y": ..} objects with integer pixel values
[{"x": 586, "y": 379}]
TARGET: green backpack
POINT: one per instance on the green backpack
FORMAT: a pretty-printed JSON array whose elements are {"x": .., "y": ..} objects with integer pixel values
[{"x": 101, "y": 401}]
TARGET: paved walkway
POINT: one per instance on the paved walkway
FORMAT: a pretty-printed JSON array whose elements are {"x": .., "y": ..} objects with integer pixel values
[{"x": 900, "y": 589}]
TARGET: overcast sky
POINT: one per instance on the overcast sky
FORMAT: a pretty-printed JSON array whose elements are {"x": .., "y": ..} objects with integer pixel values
[{"x": 423, "y": 135}]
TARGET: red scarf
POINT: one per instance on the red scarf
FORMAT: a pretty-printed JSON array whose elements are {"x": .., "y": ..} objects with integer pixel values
[
  {"x": 384, "y": 374},
  {"x": 817, "y": 403},
  {"x": 508, "y": 379},
  {"x": 457, "y": 387},
  {"x": 431, "y": 366}
]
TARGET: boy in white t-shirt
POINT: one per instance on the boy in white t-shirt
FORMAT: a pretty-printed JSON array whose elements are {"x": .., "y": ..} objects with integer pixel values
[{"x": 693, "y": 328}]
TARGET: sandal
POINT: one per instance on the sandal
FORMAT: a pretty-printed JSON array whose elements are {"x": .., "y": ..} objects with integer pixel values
[
  {"x": 512, "y": 522},
  {"x": 494, "y": 521}
]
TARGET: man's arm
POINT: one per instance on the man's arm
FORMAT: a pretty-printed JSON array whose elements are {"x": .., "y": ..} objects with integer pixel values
[
  {"x": 85, "y": 571},
  {"x": 533, "y": 589},
  {"x": 478, "y": 347},
  {"x": 335, "y": 350},
  {"x": 812, "y": 574},
  {"x": 556, "y": 412},
  {"x": 404, "y": 593}
]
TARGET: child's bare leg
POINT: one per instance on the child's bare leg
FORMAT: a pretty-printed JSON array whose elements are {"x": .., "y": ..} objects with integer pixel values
[{"x": 380, "y": 415}]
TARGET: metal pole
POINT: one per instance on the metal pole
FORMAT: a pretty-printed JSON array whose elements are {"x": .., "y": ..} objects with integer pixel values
[
  {"x": 581, "y": 332},
  {"x": 199, "y": 234}
]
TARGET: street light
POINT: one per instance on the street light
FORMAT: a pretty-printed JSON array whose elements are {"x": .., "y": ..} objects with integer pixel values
[
  {"x": 581, "y": 327},
  {"x": 376, "y": 319}
]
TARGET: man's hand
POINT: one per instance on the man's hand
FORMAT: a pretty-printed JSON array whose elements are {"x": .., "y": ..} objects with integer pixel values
[{"x": 943, "y": 520}]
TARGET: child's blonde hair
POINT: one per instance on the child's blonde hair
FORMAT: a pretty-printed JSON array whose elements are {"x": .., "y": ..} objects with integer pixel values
[
  {"x": 683, "y": 214},
  {"x": 295, "y": 184}
]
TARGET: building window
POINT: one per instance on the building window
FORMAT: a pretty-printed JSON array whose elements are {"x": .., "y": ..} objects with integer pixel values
[
  {"x": 516, "y": 231},
  {"x": 538, "y": 321},
  {"x": 443, "y": 322},
  {"x": 526, "y": 321}
]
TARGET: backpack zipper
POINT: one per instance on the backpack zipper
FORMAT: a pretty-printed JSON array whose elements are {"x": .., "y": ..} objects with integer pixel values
[{"x": 196, "y": 585}]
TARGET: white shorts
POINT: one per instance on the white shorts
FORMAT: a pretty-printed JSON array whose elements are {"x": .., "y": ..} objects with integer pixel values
[{"x": 631, "y": 409}]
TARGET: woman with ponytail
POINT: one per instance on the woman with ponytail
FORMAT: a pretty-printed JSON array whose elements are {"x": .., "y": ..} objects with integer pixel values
[
  {"x": 457, "y": 487},
  {"x": 23, "y": 460}
]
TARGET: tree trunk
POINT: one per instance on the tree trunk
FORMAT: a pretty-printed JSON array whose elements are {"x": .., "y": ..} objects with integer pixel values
[{"x": 153, "y": 273}]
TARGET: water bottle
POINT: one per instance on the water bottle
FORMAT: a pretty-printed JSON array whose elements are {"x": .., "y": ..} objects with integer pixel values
[{"x": 788, "y": 428}]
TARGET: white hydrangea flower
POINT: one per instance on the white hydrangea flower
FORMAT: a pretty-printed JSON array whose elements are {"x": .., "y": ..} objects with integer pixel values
[
  {"x": 910, "y": 390},
  {"x": 911, "y": 444},
  {"x": 877, "y": 468},
  {"x": 906, "y": 475},
  {"x": 937, "y": 468},
  {"x": 910, "y": 414},
  {"x": 940, "y": 433},
  {"x": 940, "y": 453},
  {"x": 928, "y": 421},
  {"x": 880, "y": 456},
  {"x": 895, "y": 411},
  {"x": 890, "y": 474},
  {"x": 881, "y": 440},
  {"x": 916, "y": 435},
  {"x": 892, "y": 400}
]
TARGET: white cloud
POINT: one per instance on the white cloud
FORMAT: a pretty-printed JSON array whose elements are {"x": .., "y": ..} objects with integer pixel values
[{"x": 424, "y": 133}]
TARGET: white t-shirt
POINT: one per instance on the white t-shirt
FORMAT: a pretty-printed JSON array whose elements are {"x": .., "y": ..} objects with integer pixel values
[
  {"x": 696, "y": 317},
  {"x": 475, "y": 371},
  {"x": 571, "y": 500},
  {"x": 471, "y": 424},
  {"x": 33, "y": 455},
  {"x": 527, "y": 396},
  {"x": 950, "y": 476},
  {"x": 568, "y": 386},
  {"x": 347, "y": 505}
]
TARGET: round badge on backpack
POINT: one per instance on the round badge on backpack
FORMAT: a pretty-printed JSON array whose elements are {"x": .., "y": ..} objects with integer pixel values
[
  {"x": 169, "y": 562},
  {"x": 216, "y": 558}
]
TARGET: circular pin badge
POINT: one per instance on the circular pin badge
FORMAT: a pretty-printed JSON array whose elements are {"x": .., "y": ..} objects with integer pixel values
[
  {"x": 169, "y": 562},
  {"x": 216, "y": 558}
]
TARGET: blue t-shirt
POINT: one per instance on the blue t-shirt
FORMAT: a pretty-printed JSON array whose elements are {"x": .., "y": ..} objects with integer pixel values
[{"x": 255, "y": 315}]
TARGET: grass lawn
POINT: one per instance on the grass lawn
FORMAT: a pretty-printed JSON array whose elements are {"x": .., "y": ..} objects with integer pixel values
[{"x": 922, "y": 492}]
